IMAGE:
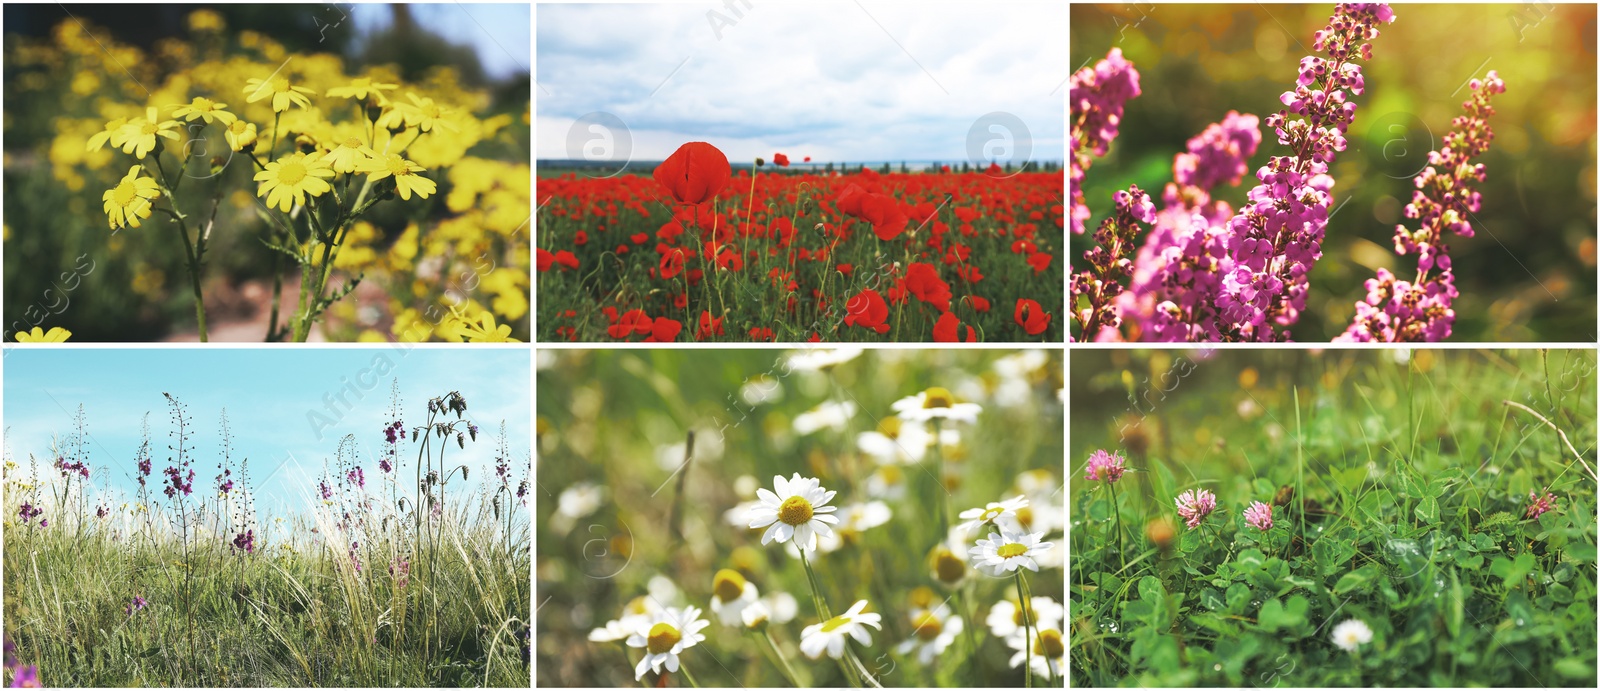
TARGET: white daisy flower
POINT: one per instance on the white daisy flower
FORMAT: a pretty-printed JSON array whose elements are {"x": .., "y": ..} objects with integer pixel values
[
  {"x": 739, "y": 515},
  {"x": 853, "y": 520},
  {"x": 580, "y": 500},
  {"x": 834, "y": 415},
  {"x": 756, "y": 615},
  {"x": 1004, "y": 552},
  {"x": 798, "y": 509},
  {"x": 671, "y": 632},
  {"x": 761, "y": 389},
  {"x": 1001, "y": 514},
  {"x": 933, "y": 631},
  {"x": 895, "y": 442},
  {"x": 731, "y": 595},
  {"x": 636, "y": 616},
  {"x": 936, "y": 403},
  {"x": 1005, "y": 617},
  {"x": 1044, "y": 649},
  {"x": 1352, "y": 634},
  {"x": 887, "y": 482},
  {"x": 782, "y": 606},
  {"x": 830, "y": 635},
  {"x": 821, "y": 358}
]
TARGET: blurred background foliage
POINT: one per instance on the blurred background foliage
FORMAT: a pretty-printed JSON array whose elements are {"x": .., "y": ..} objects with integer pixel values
[
  {"x": 69, "y": 69},
  {"x": 1528, "y": 274},
  {"x": 612, "y": 426}
]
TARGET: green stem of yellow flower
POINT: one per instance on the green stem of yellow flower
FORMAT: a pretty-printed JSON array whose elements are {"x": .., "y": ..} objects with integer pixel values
[
  {"x": 192, "y": 255},
  {"x": 274, "y": 150}
]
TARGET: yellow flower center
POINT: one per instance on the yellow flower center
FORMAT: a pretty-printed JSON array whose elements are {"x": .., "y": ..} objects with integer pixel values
[
  {"x": 921, "y": 597},
  {"x": 205, "y": 104},
  {"x": 1011, "y": 549},
  {"x": 292, "y": 173},
  {"x": 237, "y": 127},
  {"x": 638, "y": 605},
  {"x": 889, "y": 427},
  {"x": 891, "y": 475},
  {"x": 991, "y": 513},
  {"x": 928, "y": 626},
  {"x": 662, "y": 637},
  {"x": 1049, "y": 643},
  {"x": 938, "y": 397},
  {"x": 280, "y": 84},
  {"x": 148, "y": 128},
  {"x": 947, "y": 567},
  {"x": 124, "y": 194},
  {"x": 352, "y": 143},
  {"x": 1025, "y": 515},
  {"x": 1016, "y": 615},
  {"x": 433, "y": 112},
  {"x": 836, "y": 622},
  {"x": 795, "y": 511},
  {"x": 728, "y": 585},
  {"x": 360, "y": 83}
]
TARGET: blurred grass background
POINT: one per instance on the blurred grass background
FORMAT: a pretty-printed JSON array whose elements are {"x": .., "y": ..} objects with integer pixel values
[
  {"x": 1528, "y": 274},
  {"x": 616, "y": 420}
]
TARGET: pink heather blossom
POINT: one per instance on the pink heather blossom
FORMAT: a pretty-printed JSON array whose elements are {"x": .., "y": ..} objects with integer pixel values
[
  {"x": 1259, "y": 516},
  {"x": 1105, "y": 466},
  {"x": 1538, "y": 505},
  {"x": 1419, "y": 310},
  {"x": 1194, "y": 506},
  {"x": 1097, "y": 95},
  {"x": 1099, "y": 285}
]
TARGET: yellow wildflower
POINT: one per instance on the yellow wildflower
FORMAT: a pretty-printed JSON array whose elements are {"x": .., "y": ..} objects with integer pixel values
[
  {"x": 205, "y": 109},
  {"x": 38, "y": 335},
  {"x": 288, "y": 180},
  {"x": 129, "y": 201},
  {"x": 138, "y": 137},
  {"x": 282, "y": 92},
  {"x": 360, "y": 87}
]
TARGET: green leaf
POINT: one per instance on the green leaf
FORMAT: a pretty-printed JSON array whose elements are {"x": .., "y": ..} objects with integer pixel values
[
  {"x": 1276, "y": 615},
  {"x": 1359, "y": 579},
  {"x": 1238, "y": 598},
  {"x": 1456, "y": 606},
  {"x": 1331, "y": 553},
  {"x": 1428, "y": 510},
  {"x": 1512, "y": 572},
  {"x": 1575, "y": 668}
]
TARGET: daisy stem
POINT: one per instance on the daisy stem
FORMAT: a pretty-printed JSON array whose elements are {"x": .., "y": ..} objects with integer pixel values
[
  {"x": 1027, "y": 635},
  {"x": 783, "y": 662},
  {"x": 938, "y": 483},
  {"x": 1028, "y": 589},
  {"x": 817, "y": 599},
  {"x": 686, "y": 675},
  {"x": 866, "y": 675},
  {"x": 964, "y": 592},
  {"x": 1117, "y": 511}
]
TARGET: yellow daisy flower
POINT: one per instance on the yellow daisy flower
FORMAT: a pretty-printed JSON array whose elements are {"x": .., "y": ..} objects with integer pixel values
[
  {"x": 288, "y": 180},
  {"x": 240, "y": 134},
  {"x": 38, "y": 335},
  {"x": 352, "y": 151},
  {"x": 483, "y": 331},
  {"x": 421, "y": 113},
  {"x": 282, "y": 92},
  {"x": 138, "y": 137},
  {"x": 360, "y": 87},
  {"x": 204, "y": 109},
  {"x": 406, "y": 179},
  {"x": 129, "y": 201},
  {"x": 100, "y": 138}
]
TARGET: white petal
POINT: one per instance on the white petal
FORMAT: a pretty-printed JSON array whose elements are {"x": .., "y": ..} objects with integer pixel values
[
  {"x": 824, "y": 518},
  {"x": 836, "y": 647},
  {"x": 861, "y": 635},
  {"x": 804, "y": 536},
  {"x": 780, "y": 485},
  {"x": 768, "y": 498},
  {"x": 672, "y": 663},
  {"x": 772, "y": 532},
  {"x": 762, "y": 517},
  {"x": 785, "y": 531},
  {"x": 644, "y": 664}
]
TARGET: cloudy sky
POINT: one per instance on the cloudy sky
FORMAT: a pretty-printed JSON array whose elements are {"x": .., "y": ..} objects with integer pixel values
[
  {"x": 277, "y": 402},
  {"x": 837, "y": 81},
  {"x": 498, "y": 33}
]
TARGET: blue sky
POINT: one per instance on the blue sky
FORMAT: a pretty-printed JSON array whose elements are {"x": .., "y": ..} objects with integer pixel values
[
  {"x": 499, "y": 33},
  {"x": 277, "y": 401},
  {"x": 834, "y": 80}
]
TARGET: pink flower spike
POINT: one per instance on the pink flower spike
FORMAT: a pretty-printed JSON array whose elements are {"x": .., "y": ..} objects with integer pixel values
[
  {"x": 1105, "y": 466},
  {"x": 1538, "y": 505},
  {"x": 1194, "y": 506},
  {"x": 1259, "y": 516}
]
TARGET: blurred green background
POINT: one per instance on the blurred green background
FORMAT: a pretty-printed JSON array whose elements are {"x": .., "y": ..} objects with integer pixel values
[
  {"x": 1528, "y": 274},
  {"x": 612, "y": 425}
]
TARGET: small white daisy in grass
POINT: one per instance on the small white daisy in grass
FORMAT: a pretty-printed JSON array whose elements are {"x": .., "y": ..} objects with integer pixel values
[
  {"x": 671, "y": 631},
  {"x": 1352, "y": 634},
  {"x": 635, "y": 617},
  {"x": 1044, "y": 651},
  {"x": 936, "y": 403},
  {"x": 1001, "y": 514},
  {"x": 817, "y": 359},
  {"x": 1004, "y": 552},
  {"x": 933, "y": 630},
  {"x": 830, "y": 635},
  {"x": 895, "y": 442},
  {"x": 798, "y": 509},
  {"x": 834, "y": 415},
  {"x": 1005, "y": 617},
  {"x": 731, "y": 594}
]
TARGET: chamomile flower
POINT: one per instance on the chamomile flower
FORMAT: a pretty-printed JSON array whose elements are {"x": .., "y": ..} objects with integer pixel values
[
  {"x": 204, "y": 109},
  {"x": 288, "y": 180},
  {"x": 672, "y": 631},
  {"x": 932, "y": 631},
  {"x": 821, "y": 358},
  {"x": 798, "y": 509},
  {"x": 1044, "y": 649},
  {"x": 405, "y": 173},
  {"x": 1005, "y": 617},
  {"x": 1002, "y": 514},
  {"x": 834, "y": 415},
  {"x": 636, "y": 616},
  {"x": 731, "y": 594},
  {"x": 937, "y": 403},
  {"x": 56, "y": 334},
  {"x": 130, "y": 200},
  {"x": 900, "y": 443},
  {"x": 282, "y": 92},
  {"x": 1352, "y": 634},
  {"x": 830, "y": 635},
  {"x": 360, "y": 88},
  {"x": 1004, "y": 552},
  {"x": 138, "y": 137}
]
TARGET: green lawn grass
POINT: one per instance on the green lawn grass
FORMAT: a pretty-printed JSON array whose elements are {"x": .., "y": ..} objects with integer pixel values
[{"x": 1399, "y": 483}]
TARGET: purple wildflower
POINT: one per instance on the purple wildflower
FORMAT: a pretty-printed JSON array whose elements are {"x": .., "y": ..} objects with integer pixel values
[
  {"x": 101, "y": 511},
  {"x": 1098, "y": 95},
  {"x": 245, "y": 541},
  {"x": 357, "y": 477},
  {"x": 1194, "y": 506},
  {"x": 1099, "y": 285},
  {"x": 138, "y": 603},
  {"x": 1259, "y": 516},
  {"x": 44, "y": 523},
  {"x": 1105, "y": 466},
  {"x": 1538, "y": 505},
  {"x": 28, "y": 512},
  {"x": 27, "y": 677},
  {"x": 325, "y": 490}
]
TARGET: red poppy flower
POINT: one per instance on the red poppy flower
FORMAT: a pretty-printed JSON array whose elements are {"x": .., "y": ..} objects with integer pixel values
[
  {"x": 633, "y": 322},
  {"x": 708, "y": 326},
  {"x": 978, "y": 303},
  {"x": 760, "y": 333},
  {"x": 808, "y": 159},
  {"x": 580, "y": 238},
  {"x": 846, "y": 269},
  {"x": 566, "y": 259},
  {"x": 884, "y": 213},
  {"x": 781, "y": 160},
  {"x": 1031, "y": 317},
  {"x": 1023, "y": 247},
  {"x": 867, "y": 310},
  {"x": 695, "y": 173},
  {"x": 849, "y": 199},
  {"x": 639, "y": 238},
  {"x": 1039, "y": 261},
  {"x": 664, "y": 330},
  {"x": 948, "y": 330},
  {"x": 994, "y": 169},
  {"x": 923, "y": 281},
  {"x": 543, "y": 259},
  {"x": 672, "y": 262}
]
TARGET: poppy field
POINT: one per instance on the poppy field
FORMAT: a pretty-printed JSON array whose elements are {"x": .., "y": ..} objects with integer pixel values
[
  {"x": 812, "y": 518},
  {"x": 699, "y": 251},
  {"x": 187, "y": 561},
  {"x": 1357, "y": 518}
]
